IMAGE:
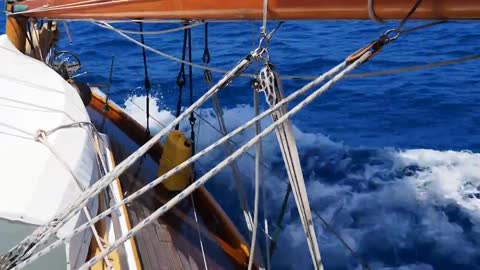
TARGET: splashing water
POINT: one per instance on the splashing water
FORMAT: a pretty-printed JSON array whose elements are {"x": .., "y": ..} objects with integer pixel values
[{"x": 398, "y": 209}]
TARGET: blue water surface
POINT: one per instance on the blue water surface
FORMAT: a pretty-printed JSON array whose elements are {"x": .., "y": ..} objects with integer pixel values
[{"x": 380, "y": 153}]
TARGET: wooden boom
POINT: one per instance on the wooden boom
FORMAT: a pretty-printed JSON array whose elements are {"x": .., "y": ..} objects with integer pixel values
[{"x": 247, "y": 9}]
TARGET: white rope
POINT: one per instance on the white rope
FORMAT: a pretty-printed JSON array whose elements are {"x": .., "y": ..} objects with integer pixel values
[
  {"x": 264, "y": 18},
  {"x": 170, "y": 57},
  {"x": 120, "y": 168},
  {"x": 97, "y": 238},
  {"x": 67, "y": 31},
  {"x": 258, "y": 156},
  {"x": 184, "y": 164},
  {"x": 160, "y": 32},
  {"x": 156, "y": 21},
  {"x": 67, "y": 255},
  {"x": 199, "y": 233},
  {"x": 233, "y": 166},
  {"x": 297, "y": 77},
  {"x": 268, "y": 238},
  {"x": 42, "y": 137},
  {"x": 265, "y": 221},
  {"x": 202, "y": 248},
  {"x": 291, "y": 159},
  {"x": 202, "y": 180}
]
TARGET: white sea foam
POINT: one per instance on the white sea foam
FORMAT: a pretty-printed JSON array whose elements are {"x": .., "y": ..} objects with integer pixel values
[{"x": 399, "y": 209}]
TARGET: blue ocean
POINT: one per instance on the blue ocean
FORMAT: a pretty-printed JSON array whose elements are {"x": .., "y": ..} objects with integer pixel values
[{"x": 391, "y": 162}]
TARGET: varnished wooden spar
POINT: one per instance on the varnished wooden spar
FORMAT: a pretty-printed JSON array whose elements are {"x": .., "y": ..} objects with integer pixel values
[
  {"x": 249, "y": 9},
  {"x": 15, "y": 28}
]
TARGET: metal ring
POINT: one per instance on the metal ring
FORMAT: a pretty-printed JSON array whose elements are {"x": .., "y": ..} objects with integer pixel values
[
  {"x": 371, "y": 13},
  {"x": 388, "y": 33}
]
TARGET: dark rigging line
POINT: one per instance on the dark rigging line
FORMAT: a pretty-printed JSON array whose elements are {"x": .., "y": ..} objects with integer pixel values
[
  {"x": 181, "y": 79},
  {"x": 146, "y": 82}
]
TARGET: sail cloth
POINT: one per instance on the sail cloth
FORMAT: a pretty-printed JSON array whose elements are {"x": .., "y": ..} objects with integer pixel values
[{"x": 247, "y": 9}]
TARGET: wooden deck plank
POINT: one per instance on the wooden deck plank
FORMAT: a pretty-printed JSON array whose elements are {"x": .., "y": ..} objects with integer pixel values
[
  {"x": 141, "y": 243},
  {"x": 171, "y": 242}
]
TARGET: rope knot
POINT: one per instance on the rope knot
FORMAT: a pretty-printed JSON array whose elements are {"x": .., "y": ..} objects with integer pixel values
[{"x": 41, "y": 136}]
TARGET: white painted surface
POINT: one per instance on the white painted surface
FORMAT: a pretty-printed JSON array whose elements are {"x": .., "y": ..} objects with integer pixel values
[
  {"x": 34, "y": 185},
  {"x": 120, "y": 215}
]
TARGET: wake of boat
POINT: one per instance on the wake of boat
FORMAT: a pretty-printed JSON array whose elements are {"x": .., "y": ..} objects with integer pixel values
[{"x": 398, "y": 209}]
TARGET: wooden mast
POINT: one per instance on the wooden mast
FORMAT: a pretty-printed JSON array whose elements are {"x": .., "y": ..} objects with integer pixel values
[
  {"x": 16, "y": 30},
  {"x": 249, "y": 9}
]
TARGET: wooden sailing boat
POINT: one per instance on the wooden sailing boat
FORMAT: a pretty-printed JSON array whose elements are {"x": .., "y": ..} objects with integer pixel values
[{"x": 46, "y": 114}]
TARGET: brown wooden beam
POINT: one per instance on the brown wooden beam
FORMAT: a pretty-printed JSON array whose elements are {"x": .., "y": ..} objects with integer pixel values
[
  {"x": 16, "y": 30},
  {"x": 252, "y": 9}
]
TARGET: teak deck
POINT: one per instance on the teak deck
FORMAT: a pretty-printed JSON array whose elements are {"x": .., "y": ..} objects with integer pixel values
[
  {"x": 173, "y": 240},
  {"x": 165, "y": 244}
]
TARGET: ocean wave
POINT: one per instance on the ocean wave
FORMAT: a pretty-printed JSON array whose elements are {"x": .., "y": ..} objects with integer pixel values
[{"x": 398, "y": 209}]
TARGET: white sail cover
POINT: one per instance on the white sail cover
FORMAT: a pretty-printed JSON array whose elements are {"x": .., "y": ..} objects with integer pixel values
[{"x": 34, "y": 184}]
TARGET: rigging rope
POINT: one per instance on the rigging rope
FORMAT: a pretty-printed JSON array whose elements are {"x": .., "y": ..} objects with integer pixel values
[
  {"x": 291, "y": 157},
  {"x": 42, "y": 234},
  {"x": 122, "y": 166},
  {"x": 407, "y": 17},
  {"x": 146, "y": 82},
  {"x": 329, "y": 227},
  {"x": 258, "y": 176},
  {"x": 181, "y": 79},
  {"x": 107, "y": 96},
  {"x": 93, "y": 190},
  {"x": 192, "y": 120},
  {"x": 302, "y": 77},
  {"x": 224, "y": 131},
  {"x": 58, "y": 221},
  {"x": 279, "y": 221},
  {"x": 202, "y": 180},
  {"x": 42, "y": 137},
  {"x": 160, "y": 32},
  {"x": 263, "y": 30},
  {"x": 371, "y": 12}
]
